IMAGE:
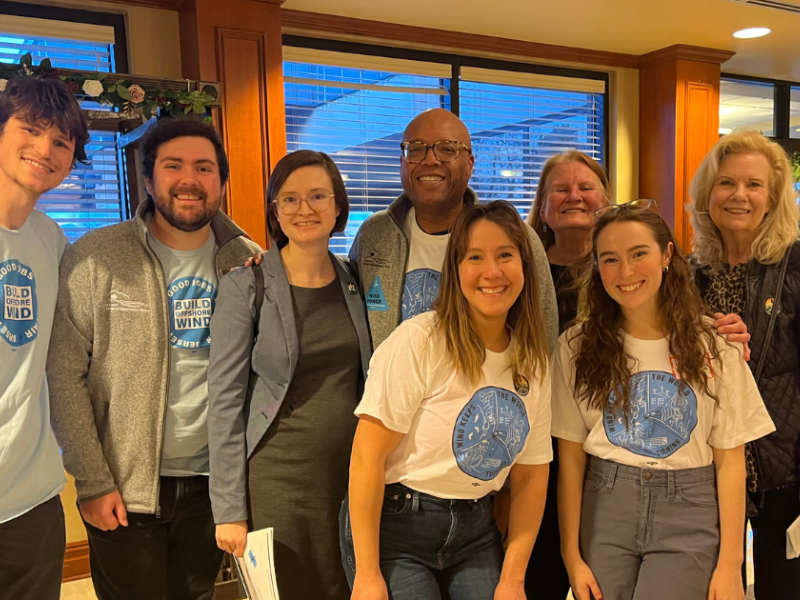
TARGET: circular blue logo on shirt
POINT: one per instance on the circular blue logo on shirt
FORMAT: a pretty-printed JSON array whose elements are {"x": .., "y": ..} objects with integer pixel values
[
  {"x": 490, "y": 431},
  {"x": 191, "y": 304},
  {"x": 661, "y": 418},
  {"x": 19, "y": 323},
  {"x": 420, "y": 290}
]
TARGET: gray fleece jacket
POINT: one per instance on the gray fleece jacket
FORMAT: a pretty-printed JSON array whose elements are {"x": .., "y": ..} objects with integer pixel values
[
  {"x": 108, "y": 363},
  {"x": 381, "y": 249}
]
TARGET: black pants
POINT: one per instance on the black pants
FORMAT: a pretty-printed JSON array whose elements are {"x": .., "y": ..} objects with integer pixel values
[
  {"x": 547, "y": 577},
  {"x": 32, "y": 553},
  {"x": 171, "y": 557},
  {"x": 776, "y": 578}
]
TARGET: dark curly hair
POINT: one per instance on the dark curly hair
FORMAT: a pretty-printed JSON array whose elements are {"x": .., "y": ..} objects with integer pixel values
[{"x": 601, "y": 364}]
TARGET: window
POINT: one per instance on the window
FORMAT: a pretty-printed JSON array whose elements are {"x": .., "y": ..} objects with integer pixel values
[
  {"x": 355, "y": 106},
  {"x": 91, "y": 196},
  {"x": 794, "y": 113},
  {"x": 746, "y": 105}
]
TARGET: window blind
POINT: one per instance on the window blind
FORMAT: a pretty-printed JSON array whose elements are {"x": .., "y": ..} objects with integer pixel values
[
  {"x": 357, "y": 115},
  {"x": 516, "y": 128},
  {"x": 91, "y": 196}
]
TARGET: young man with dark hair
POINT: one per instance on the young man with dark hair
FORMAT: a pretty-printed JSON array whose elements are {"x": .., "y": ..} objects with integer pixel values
[
  {"x": 42, "y": 135},
  {"x": 128, "y": 371}
]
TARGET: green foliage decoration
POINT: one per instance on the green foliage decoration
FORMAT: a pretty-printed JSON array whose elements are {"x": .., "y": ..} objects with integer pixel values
[{"x": 126, "y": 96}]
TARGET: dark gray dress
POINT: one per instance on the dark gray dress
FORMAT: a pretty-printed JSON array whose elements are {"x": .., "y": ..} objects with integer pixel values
[{"x": 298, "y": 473}]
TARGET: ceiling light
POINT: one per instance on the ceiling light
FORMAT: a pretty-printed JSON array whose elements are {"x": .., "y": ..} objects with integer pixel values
[
  {"x": 726, "y": 110},
  {"x": 724, "y": 130},
  {"x": 752, "y": 32}
]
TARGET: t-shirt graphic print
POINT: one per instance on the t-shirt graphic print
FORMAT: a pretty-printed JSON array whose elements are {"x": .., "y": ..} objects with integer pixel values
[
  {"x": 423, "y": 272},
  {"x": 490, "y": 432},
  {"x": 19, "y": 324},
  {"x": 661, "y": 418},
  {"x": 191, "y": 304}
]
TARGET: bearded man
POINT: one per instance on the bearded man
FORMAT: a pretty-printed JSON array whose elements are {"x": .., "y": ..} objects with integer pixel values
[{"x": 127, "y": 369}]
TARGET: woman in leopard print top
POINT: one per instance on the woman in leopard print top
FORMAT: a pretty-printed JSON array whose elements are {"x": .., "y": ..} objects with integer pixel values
[{"x": 745, "y": 219}]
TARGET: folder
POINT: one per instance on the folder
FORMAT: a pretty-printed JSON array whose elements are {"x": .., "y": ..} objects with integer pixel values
[
  {"x": 793, "y": 539},
  {"x": 257, "y": 566}
]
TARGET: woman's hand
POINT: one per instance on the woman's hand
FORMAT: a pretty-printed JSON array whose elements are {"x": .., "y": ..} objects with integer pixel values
[
  {"x": 369, "y": 587},
  {"x": 726, "y": 583},
  {"x": 734, "y": 329},
  {"x": 232, "y": 537},
  {"x": 510, "y": 590},
  {"x": 584, "y": 585}
]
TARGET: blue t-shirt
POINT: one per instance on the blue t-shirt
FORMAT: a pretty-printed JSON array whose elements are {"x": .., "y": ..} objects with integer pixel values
[
  {"x": 191, "y": 295},
  {"x": 31, "y": 471}
]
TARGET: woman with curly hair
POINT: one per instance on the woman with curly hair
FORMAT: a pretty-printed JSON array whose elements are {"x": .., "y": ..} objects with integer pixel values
[
  {"x": 650, "y": 407},
  {"x": 745, "y": 220}
]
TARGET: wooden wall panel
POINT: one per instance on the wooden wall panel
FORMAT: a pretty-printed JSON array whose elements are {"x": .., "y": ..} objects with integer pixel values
[
  {"x": 238, "y": 42},
  {"x": 679, "y": 119},
  {"x": 241, "y": 70}
]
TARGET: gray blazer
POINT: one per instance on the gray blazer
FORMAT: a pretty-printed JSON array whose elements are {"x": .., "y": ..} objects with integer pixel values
[{"x": 234, "y": 429}]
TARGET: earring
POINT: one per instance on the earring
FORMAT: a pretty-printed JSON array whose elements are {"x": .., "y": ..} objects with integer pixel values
[
  {"x": 665, "y": 270},
  {"x": 544, "y": 228}
]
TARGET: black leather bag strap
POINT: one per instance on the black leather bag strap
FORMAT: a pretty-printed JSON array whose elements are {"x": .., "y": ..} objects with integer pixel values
[{"x": 772, "y": 318}]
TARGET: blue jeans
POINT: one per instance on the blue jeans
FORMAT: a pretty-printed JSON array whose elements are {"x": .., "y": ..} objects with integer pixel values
[{"x": 432, "y": 548}]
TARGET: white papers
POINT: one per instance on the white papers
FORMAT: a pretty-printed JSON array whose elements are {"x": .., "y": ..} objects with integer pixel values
[
  {"x": 257, "y": 566},
  {"x": 793, "y": 539}
]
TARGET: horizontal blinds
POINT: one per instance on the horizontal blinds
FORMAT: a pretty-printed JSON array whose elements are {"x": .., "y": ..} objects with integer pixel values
[
  {"x": 90, "y": 197},
  {"x": 515, "y": 129},
  {"x": 357, "y": 115},
  {"x": 65, "y": 30}
]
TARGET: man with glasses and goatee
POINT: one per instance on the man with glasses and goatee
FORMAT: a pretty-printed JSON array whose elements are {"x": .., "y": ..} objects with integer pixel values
[{"x": 399, "y": 251}]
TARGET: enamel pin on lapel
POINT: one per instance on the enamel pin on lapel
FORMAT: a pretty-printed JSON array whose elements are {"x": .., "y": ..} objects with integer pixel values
[{"x": 351, "y": 288}]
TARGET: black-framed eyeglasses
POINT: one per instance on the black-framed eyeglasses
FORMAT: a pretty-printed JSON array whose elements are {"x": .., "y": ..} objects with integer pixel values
[
  {"x": 639, "y": 205},
  {"x": 443, "y": 150},
  {"x": 318, "y": 201}
]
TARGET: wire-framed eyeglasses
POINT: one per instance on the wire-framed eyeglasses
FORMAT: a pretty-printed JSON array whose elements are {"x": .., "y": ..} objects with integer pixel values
[
  {"x": 640, "y": 205},
  {"x": 318, "y": 201},
  {"x": 443, "y": 150}
]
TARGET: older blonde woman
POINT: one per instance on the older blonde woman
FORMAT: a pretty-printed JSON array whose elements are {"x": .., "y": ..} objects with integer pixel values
[{"x": 745, "y": 220}]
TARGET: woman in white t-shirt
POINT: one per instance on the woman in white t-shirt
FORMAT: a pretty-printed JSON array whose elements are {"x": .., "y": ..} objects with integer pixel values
[
  {"x": 650, "y": 407},
  {"x": 457, "y": 400}
]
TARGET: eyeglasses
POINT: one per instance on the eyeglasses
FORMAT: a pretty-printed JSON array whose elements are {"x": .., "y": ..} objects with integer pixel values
[
  {"x": 639, "y": 205},
  {"x": 317, "y": 201},
  {"x": 443, "y": 150}
]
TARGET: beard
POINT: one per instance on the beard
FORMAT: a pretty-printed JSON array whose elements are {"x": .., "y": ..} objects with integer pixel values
[{"x": 186, "y": 220}]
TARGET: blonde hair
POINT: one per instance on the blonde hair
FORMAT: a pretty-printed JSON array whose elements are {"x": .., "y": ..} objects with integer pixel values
[
  {"x": 463, "y": 343},
  {"x": 534, "y": 218},
  {"x": 776, "y": 232}
]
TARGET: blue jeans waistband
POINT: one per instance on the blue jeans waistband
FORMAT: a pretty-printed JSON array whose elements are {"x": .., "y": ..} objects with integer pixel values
[
  {"x": 647, "y": 476},
  {"x": 398, "y": 489}
]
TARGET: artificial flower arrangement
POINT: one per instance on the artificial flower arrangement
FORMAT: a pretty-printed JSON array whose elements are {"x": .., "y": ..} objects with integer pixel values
[{"x": 126, "y": 96}]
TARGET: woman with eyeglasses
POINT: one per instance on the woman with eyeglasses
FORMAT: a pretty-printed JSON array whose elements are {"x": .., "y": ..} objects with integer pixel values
[
  {"x": 457, "y": 401},
  {"x": 745, "y": 221},
  {"x": 280, "y": 439},
  {"x": 651, "y": 409}
]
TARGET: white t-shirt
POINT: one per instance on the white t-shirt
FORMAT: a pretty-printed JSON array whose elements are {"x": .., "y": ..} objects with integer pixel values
[
  {"x": 191, "y": 293},
  {"x": 31, "y": 471},
  {"x": 425, "y": 259},
  {"x": 460, "y": 439},
  {"x": 667, "y": 429}
]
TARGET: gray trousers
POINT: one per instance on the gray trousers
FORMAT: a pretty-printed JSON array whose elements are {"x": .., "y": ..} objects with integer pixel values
[{"x": 650, "y": 534}]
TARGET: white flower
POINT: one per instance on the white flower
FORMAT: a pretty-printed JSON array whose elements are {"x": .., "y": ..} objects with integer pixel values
[
  {"x": 3, "y": 83},
  {"x": 93, "y": 87}
]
